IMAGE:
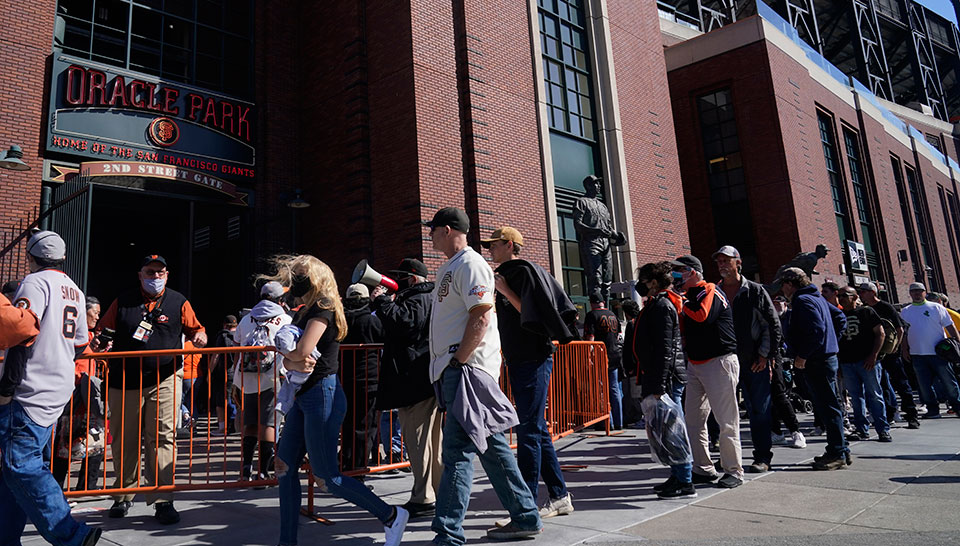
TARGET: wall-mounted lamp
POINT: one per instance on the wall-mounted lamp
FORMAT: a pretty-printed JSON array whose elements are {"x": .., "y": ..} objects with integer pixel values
[
  {"x": 13, "y": 160},
  {"x": 298, "y": 202}
]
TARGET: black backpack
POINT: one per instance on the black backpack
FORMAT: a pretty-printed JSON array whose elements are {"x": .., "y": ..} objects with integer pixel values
[
  {"x": 258, "y": 361},
  {"x": 949, "y": 350}
]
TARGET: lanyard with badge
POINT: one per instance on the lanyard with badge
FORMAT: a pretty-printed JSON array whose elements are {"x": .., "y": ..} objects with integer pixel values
[{"x": 145, "y": 328}]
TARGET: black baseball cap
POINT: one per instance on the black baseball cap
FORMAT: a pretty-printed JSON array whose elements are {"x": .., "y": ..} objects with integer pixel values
[
  {"x": 450, "y": 216},
  {"x": 688, "y": 260},
  {"x": 410, "y": 266},
  {"x": 153, "y": 258}
]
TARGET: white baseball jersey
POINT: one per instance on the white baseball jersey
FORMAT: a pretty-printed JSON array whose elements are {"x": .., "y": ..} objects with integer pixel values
[
  {"x": 48, "y": 378},
  {"x": 463, "y": 282}
]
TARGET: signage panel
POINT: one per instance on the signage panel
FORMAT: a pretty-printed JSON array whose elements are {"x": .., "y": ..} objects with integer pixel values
[{"x": 106, "y": 113}]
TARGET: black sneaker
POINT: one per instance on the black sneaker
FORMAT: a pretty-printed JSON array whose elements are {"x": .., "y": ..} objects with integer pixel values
[
  {"x": 714, "y": 446},
  {"x": 669, "y": 484},
  {"x": 92, "y": 537},
  {"x": 884, "y": 437},
  {"x": 119, "y": 509},
  {"x": 757, "y": 468},
  {"x": 913, "y": 423},
  {"x": 856, "y": 436},
  {"x": 679, "y": 491},
  {"x": 166, "y": 514},
  {"x": 703, "y": 478},
  {"x": 729, "y": 481},
  {"x": 833, "y": 462},
  {"x": 931, "y": 415},
  {"x": 847, "y": 458},
  {"x": 420, "y": 510}
]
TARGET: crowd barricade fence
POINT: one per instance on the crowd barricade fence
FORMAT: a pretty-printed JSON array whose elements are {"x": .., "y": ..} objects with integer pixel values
[{"x": 89, "y": 440}]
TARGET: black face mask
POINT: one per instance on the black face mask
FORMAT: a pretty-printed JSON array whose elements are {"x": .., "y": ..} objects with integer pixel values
[
  {"x": 642, "y": 289},
  {"x": 300, "y": 285}
]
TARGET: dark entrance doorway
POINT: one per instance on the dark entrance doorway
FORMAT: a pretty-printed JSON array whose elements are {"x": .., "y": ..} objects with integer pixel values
[{"x": 201, "y": 240}]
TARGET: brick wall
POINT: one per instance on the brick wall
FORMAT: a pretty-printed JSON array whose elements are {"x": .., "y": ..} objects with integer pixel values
[
  {"x": 25, "y": 46},
  {"x": 649, "y": 141}
]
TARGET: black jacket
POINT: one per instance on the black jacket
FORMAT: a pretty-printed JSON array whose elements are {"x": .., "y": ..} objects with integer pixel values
[
  {"x": 358, "y": 368},
  {"x": 752, "y": 312},
  {"x": 549, "y": 311},
  {"x": 658, "y": 346},
  {"x": 405, "y": 367}
]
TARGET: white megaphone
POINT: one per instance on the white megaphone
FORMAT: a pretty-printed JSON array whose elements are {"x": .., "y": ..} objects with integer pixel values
[{"x": 367, "y": 275}]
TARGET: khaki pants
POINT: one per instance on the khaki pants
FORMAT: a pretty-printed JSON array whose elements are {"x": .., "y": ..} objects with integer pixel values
[
  {"x": 713, "y": 385},
  {"x": 422, "y": 427},
  {"x": 135, "y": 416}
]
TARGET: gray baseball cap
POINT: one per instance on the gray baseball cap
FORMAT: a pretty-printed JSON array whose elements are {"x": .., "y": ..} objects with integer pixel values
[
  {"x": 917, "y": 286},
  {"x": 728, "y": 251},
  {"x": 47, "y": 245},
  {"x": 868, "y": 287},
  {"x": 272, "y": 290}
]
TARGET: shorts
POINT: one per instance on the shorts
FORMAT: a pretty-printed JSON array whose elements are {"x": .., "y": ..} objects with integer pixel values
[{"x": 259, "y": 406}]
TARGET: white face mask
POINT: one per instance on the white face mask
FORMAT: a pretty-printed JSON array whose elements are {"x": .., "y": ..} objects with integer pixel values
[{"x": 153, "y": 286}]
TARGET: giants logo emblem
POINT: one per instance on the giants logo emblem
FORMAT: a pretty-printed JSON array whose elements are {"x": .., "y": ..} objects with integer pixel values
[
  {"x": 163, "y": 132},
  {"x": 444, "y": 289}
]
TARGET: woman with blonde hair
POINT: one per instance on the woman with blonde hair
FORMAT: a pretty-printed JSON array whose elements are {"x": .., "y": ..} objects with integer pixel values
[{"x": 313, "y": 422}]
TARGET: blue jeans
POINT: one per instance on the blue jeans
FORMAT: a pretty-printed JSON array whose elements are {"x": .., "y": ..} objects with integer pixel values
[
  {"x": 390, "y": 435},
  {"x": 682, "y": 472},
  {"x": 313, "y": 426},
  {"x": 676, "y": 392},
  {"x": 864, "y": 388},
  {"x": 821, "y": 376},
  {"x": 498, "y": 462},
  {"x": 530, "y": 382},
  {"x": 27, "y": 488},
  {"x": 616, "y": 399},
  {"x": 756, "y": 389},
  {"x": 930, "y": 368},
  {"x": 186, "y": 395}
]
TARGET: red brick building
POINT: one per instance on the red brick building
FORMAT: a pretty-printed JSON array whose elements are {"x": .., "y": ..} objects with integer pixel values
[
  {"x": 375, "y": 113},
  {"x": 782, "y": 152}
]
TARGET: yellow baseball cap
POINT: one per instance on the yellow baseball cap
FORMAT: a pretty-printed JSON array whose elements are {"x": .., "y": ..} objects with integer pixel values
[{"x": 505, "y": 233}]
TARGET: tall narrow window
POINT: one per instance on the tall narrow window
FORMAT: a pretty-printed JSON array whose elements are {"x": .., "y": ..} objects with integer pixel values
[
  {"x": 862, "y": 199},
  {"x": 832, "y": 158},
  {"x": 951, "y": 235},
  {"x": 923, "y": 237},
  {"x": 907, "y": 221},
  {"x": 728, "y": 189},
  {"x": 563, "y": 38}
]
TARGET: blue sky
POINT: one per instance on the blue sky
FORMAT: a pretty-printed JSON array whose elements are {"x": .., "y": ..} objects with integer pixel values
[{"x": 942, "y": 7}]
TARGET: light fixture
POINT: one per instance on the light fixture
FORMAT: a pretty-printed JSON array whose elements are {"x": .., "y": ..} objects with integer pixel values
[
  {"x": 298, "y": 202},
  {"x": 13, "y": 160}
]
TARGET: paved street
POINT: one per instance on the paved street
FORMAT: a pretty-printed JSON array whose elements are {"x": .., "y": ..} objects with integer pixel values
[{"x": 900, "y": 493}]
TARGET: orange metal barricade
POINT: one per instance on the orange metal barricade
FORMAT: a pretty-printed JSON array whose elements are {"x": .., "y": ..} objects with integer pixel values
[{"x": 204, "y": 459}]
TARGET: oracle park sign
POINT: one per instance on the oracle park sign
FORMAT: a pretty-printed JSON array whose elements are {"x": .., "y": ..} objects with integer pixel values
[{"x": 106, "y": 113}]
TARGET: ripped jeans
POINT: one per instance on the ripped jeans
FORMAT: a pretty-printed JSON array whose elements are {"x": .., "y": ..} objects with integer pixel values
[{"x": 313, "y": 426}]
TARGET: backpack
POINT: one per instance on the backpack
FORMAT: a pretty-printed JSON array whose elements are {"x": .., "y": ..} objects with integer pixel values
[
  {"x": 258, "y": 361},
  {"x": 890, "y": 340}
]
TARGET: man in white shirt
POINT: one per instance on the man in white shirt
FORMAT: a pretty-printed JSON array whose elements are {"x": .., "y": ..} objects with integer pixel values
[
  {"x": 926, "y": 323},
  {"x": 464, "y": 348},
  {"x": 36, "y": 383}
]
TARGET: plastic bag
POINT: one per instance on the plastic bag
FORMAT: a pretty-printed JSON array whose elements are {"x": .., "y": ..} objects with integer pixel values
[{"x": 666, "y": 431}]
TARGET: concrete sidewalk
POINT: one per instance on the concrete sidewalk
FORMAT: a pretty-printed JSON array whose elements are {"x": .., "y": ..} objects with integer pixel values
[{"x": 897, "y": 493}]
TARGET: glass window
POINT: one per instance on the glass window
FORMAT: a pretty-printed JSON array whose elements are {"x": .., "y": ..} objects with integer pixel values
[
  {"x": 728, "y": 189},
  {"x": 190, "y": 41},
  {"x": 908, "y": 228},
  {"x": 921, "y": 215},
  {"x": 862, "y": 198},
  {"x": 566, "y": 70},
  {"x": 829, "y": 141}
]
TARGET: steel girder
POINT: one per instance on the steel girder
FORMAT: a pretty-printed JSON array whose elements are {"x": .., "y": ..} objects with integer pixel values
[
  {"x": 714, "y": 14},
  {"x": 924, "y": 63},
  {"x": 871, "y": 58},
  {"x": 802, "y": 15}
]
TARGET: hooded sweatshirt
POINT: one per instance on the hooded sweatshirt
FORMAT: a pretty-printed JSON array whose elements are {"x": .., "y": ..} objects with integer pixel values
[{"x": 273, "y": 316}]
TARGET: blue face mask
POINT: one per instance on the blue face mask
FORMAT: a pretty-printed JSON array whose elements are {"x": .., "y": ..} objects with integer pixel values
[{"x": 153, "y": 286}]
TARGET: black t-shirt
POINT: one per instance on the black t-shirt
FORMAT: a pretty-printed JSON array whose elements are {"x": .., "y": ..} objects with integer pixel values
[
  {"x": 518, "y": 344},
  {"x": 886, "y": 311},
  {"x": 605, "y": 327},
  {"x": 858, "y": 339},
  {"x": 328, "y": 346}
]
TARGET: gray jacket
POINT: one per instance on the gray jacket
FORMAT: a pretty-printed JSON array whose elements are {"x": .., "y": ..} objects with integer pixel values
[{"x": 479, "y": 406}]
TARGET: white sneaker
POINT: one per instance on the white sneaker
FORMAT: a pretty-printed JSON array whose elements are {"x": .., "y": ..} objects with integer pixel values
[
  {"x": 557, "y": 507},
  {"x": 778, "y": 439},
  {"x": 797, "y": 440},
  {"x": 502, "y": 522},
  {"x": 394, "y": 533}
]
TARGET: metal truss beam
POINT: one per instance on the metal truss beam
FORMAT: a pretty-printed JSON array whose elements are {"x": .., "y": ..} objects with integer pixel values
[
  {"x": 871, "y": 58},
  {"x": 716, "y": 13},
  {"x": 927, "y": 76},
  {"x": 802, "y": 15}
]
